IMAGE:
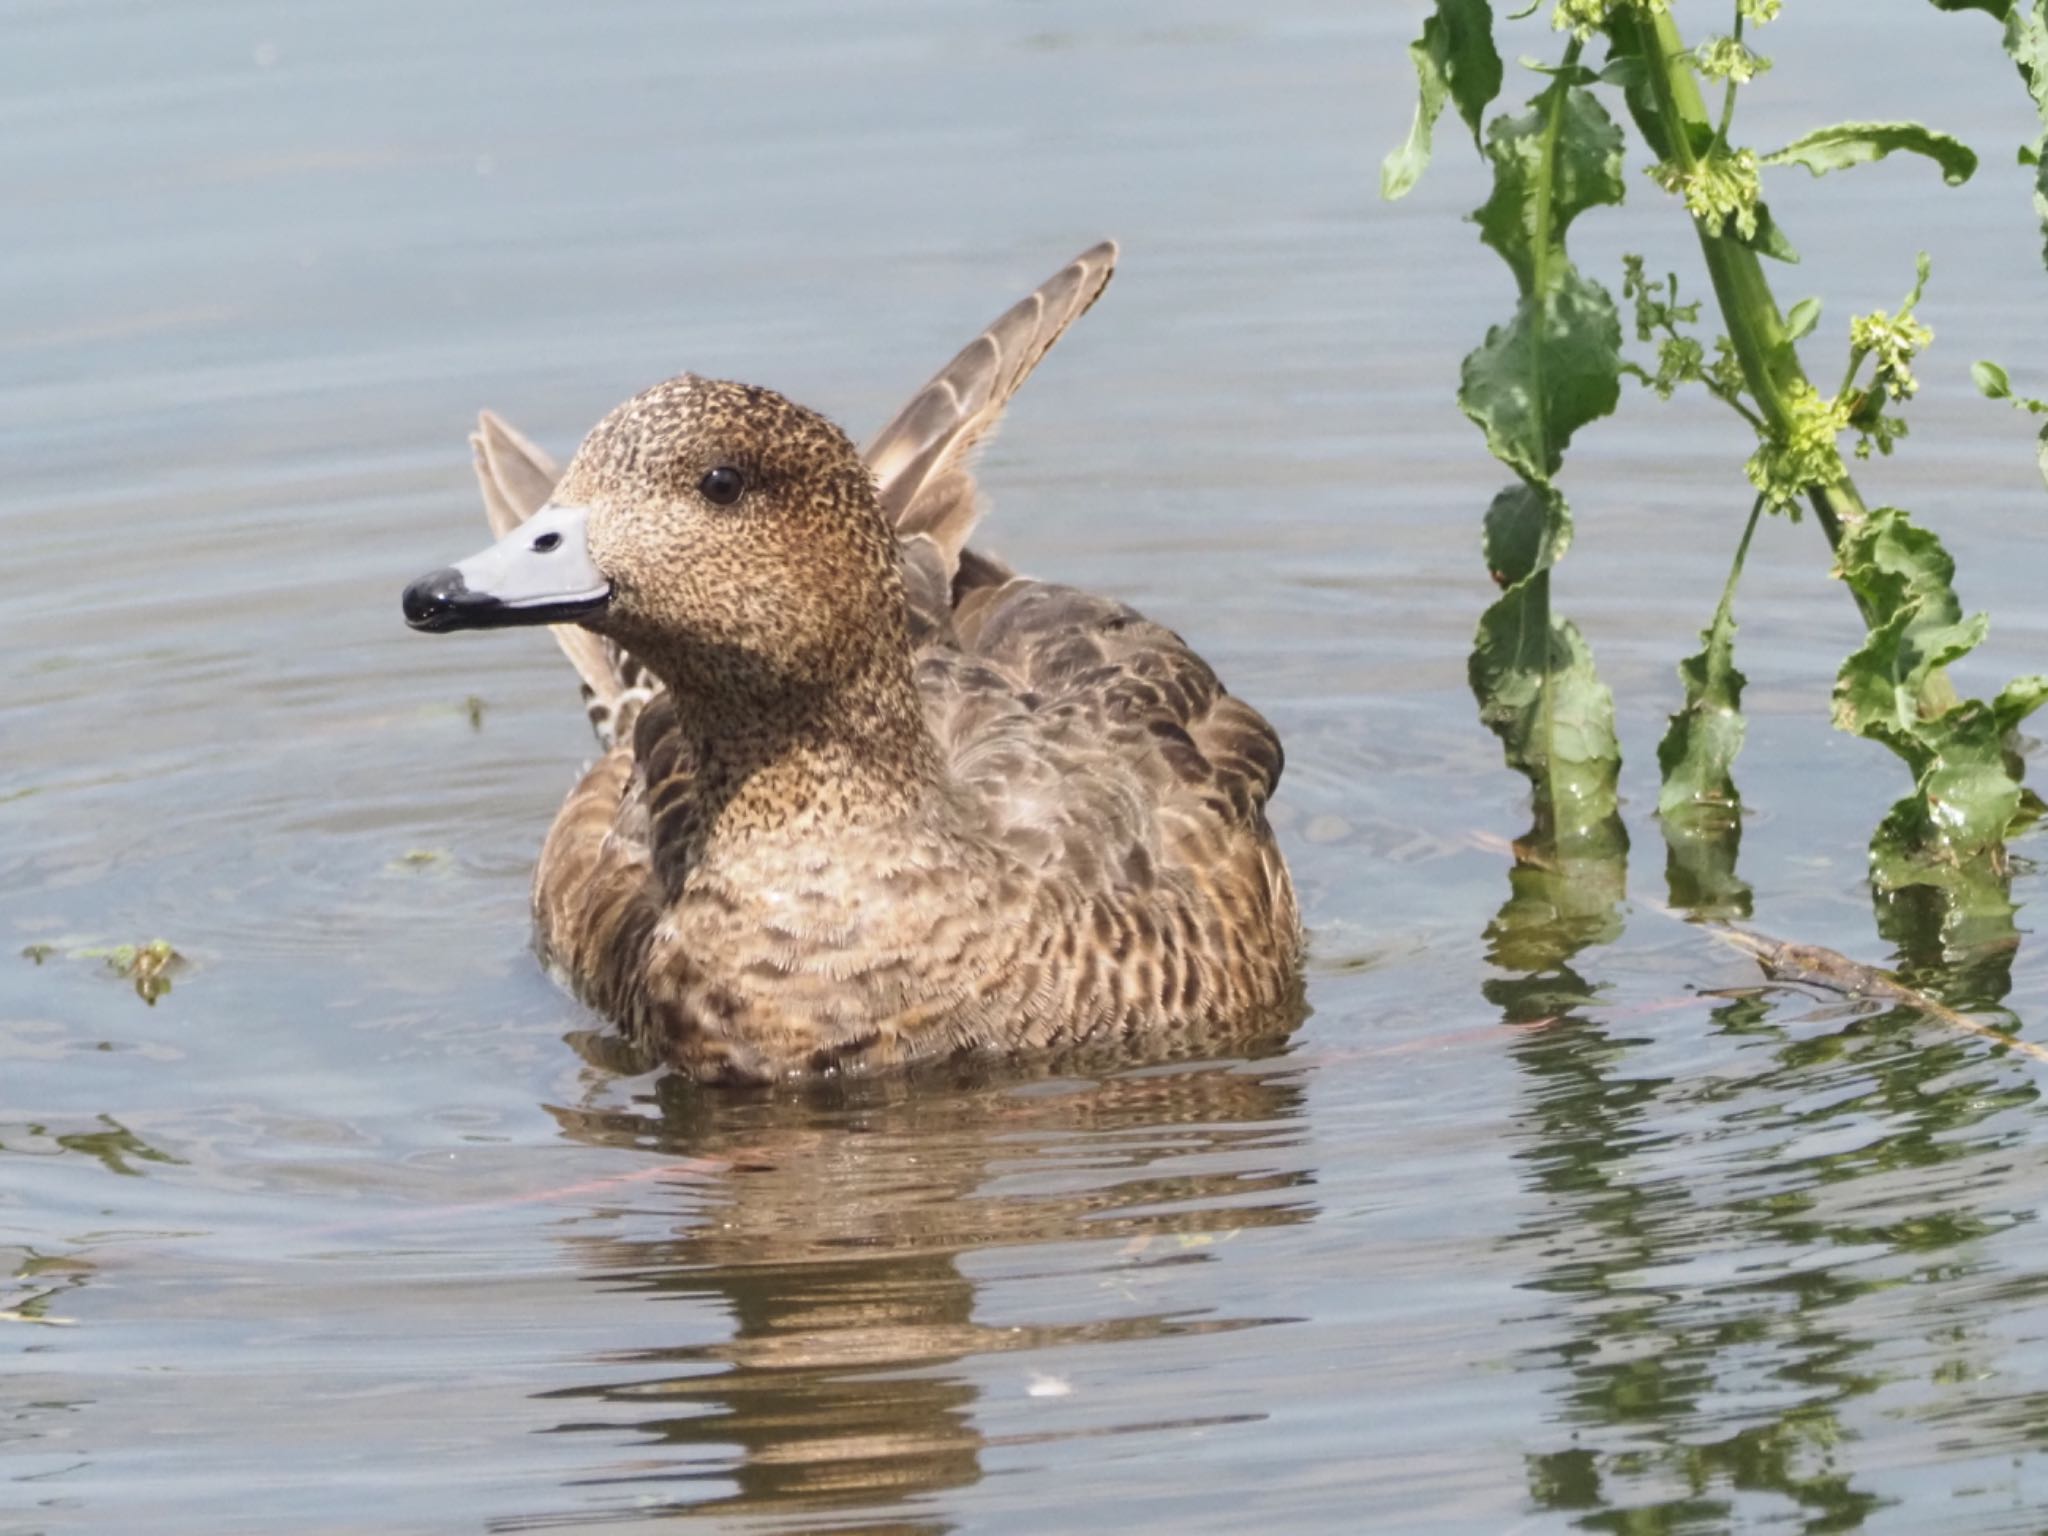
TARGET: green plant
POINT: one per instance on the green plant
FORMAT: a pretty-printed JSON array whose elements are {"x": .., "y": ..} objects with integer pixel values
[
  {"x": 1558, "y": 365},
  {"x": 149, "y": 966}
]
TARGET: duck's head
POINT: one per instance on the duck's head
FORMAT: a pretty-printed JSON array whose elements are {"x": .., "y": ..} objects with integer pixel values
[{"x": 726, "y": 535}]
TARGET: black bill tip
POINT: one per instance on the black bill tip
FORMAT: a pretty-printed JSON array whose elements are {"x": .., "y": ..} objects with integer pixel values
[
  {"x": 442, "y": 600},
  {"x": 438, "y": 600}
]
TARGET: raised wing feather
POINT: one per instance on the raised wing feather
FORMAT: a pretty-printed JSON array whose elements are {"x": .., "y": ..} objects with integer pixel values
[{"x": 922, "y": 459}]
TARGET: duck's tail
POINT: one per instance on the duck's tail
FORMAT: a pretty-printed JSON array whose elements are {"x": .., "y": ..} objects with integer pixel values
[{"x": 516, "y": 477}]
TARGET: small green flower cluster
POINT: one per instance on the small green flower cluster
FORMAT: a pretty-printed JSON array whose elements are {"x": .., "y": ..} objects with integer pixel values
[
  {"x": 1721, "y": 188},
  {"x": 1785, "y": 468},
  {"x": 1757, "y": 12},
  {"x": 1894, "y": 343},
  {"x": 1681, "y": 359},
  {"x": 1874, "y": 430},
  {"x": 1582, "y": 18},
  {"x": 1725, "y": 58},
  {"x": 1724, "y": 374}
]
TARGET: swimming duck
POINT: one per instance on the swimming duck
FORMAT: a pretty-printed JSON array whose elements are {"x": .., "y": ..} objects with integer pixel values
[{"x": 867, "y": 797}]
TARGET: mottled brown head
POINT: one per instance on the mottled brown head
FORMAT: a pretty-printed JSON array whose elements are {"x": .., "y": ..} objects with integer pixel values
[{"x": 741, "y": 538}]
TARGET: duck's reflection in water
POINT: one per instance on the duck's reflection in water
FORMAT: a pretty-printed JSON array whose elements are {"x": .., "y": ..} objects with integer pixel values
[{"x": 829, "y": 1228}]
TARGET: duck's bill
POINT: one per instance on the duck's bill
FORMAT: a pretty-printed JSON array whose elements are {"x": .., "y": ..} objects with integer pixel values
[{"x": 539, "y": 573}]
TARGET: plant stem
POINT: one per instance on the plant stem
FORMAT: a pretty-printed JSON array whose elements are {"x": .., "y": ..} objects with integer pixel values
[
  {"x": 1727, "y": 603},
  {"x": 1539, "y": 244},
  {"x": 1769, "y": 361},
  {"x": 1539, "y": 284},
  {"x": 1728, "y": 93},
  {"x": 1674, "y": 120}
]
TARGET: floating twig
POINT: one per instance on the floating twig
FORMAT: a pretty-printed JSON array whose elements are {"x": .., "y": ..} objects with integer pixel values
[{"x": 1817, "y": 966}]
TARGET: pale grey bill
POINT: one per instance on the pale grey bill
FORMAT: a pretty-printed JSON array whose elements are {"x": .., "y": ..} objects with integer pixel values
[{"x": 545, "y": 560}]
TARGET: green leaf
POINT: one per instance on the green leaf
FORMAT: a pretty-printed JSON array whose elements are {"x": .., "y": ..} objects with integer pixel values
[
  {"x": 1523, "y": 535},
  {"x": 1993, "y": 7},
  {"x": 1804, "y": 317},
  {"x": 1705, "y": 735},
  {"x": 1455, "y": 61},
  {"x": 1698, "y": 808},
  {"x": 1770, "y": 240},
  {"x": 1626, "y": 70},
  {"x": 2017, "y": 700},
  {"x": 1404, "y": 166},
  {"x": 1533, "y": 672},
  {"x": 1533, "y": 383},
  {"x": 1550, "y": 164},
  {"x": 1963, "y": 806},
  {"x": 1570, "y": 74},
  {"x": 1902, "y": 576},
  {"x": 2026, "y": 42},
  {"x": 1702, "y": 742},
  {"x": 1992, "y": 381},
  {"x": 1847, "y": 144},
  {"x": 1967, "y": 793},
  {"x": 1538, "y": 379},
  {"x": 1527, "y": 530},
  {"x": 1557, "y": 364},
  {"x": 1471, "y": 62}
]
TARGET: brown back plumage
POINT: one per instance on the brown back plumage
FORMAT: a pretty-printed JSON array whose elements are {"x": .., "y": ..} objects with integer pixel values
[{"x": 1064, "y": 841}]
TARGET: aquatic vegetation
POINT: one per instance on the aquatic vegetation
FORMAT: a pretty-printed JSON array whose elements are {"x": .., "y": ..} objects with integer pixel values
[
  {"x": 2026, "y": 43},
  {"x": 111, "y": 1144},
  {"x": 42, "y": 1278},
  {"x": 1557, "y": 365},
  {"x": 1996, "y": 384},
  {"x": 149, "y": 967}
]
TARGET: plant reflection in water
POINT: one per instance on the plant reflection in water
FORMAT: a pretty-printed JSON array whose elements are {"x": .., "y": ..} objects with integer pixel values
[{"x": 1734, "y": 1230}]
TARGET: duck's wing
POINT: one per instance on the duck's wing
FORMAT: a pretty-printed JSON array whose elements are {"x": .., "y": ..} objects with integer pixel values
[
  {"x": 1091, "y": 678},
  {"x": 516, "y": 477},
  {"x": 1107, "y": 758},
  {"x": 923, "y": 459}
]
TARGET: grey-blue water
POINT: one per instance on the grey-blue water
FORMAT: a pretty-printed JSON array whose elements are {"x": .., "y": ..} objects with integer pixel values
[{"x": 1528, "y": 1229}]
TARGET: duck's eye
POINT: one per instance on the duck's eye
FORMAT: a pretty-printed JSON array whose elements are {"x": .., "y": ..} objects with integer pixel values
[
  {"x": 722, "y": 486},
  {"x": 546, "y": 542}
]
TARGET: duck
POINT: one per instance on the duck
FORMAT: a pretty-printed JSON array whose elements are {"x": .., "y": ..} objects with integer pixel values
[{"x": 865, "y": 796}]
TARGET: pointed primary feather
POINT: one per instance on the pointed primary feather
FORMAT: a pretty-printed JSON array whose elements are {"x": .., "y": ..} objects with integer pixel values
[
  {"x": 922, "y": 458},
  {"x": 516, "y": 475}
]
